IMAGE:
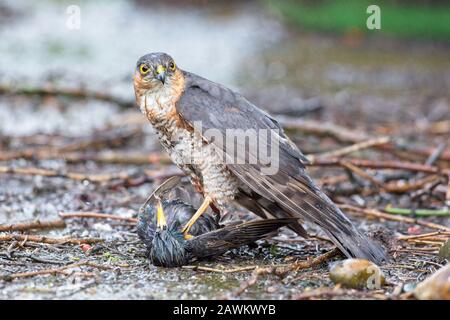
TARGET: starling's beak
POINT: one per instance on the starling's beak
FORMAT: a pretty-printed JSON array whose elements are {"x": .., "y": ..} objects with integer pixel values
[
  {"x": 161, "y": 73},
  {"x": 161, "y": 222}
]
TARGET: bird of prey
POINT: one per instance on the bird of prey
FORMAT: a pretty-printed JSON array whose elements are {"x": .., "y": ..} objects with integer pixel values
[
  {"x": 176, "y": 102},
  {"x": 163, "y": 215}
]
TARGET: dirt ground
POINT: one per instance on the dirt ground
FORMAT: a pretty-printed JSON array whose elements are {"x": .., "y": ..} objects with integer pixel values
[{"x": 71, "y": 152}]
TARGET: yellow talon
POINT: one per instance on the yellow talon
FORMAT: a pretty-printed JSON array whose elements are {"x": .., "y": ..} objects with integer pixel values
[{"x": 197, "y": 215}]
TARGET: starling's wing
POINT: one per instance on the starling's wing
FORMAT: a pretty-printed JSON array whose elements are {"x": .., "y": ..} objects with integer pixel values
[
  {"x": 234, "y": 236},
  {"x": 219, "y": 108},
  {"x": 164, "y": 187}
]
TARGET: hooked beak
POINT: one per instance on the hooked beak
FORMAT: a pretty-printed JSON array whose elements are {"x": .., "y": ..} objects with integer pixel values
[
  {"x": 161, "y": 222},
  {"x": 161, "y": 74}
]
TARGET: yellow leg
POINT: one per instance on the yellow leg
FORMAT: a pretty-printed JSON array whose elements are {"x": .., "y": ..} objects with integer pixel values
[{"x": 197, "y": 215}]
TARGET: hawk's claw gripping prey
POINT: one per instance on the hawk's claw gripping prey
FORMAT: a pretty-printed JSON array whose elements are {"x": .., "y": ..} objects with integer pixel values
[{"x": 175, "y": 100}]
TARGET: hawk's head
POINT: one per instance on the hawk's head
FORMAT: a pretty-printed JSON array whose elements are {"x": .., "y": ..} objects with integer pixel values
[{"x": 155, "y": 70}]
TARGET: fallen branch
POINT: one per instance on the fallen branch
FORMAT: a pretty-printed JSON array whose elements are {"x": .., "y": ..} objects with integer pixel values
[
  {"x": 97, "y": 215},
  {"x": 350, "y": 149},
  {"x": 405, "y": 186},
  {"x": 330, "y": 293},
  {"x": 60, "y": 270},
  {"x": 424, "y": 235},
  {"x": 382, "y": 215},
  {"x": 374, "y": 164},
  {"x": 70, "y": 175},
  {"x": 36, "y": 224},
  {"x": 49, "y": 240},
  {"x": 77, "y": 93},
  {"x": 321, "y": 128},
  {"x": 208, "y": 269},
  {"x": 282, "y": 270}
]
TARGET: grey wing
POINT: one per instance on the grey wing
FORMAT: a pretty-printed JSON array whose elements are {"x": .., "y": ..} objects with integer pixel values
[
  {"x": 289, "y": 188},
  {"x": 234, "y": 236}
]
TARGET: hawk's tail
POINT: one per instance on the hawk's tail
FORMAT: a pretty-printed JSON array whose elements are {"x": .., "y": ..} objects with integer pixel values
[{"x": 297, "y": 197}]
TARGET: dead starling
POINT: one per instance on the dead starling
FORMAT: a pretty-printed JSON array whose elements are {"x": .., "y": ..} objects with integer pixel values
[{"x": 161, "y": 222}]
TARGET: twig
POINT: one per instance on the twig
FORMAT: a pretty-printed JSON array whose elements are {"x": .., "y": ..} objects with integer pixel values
[
  {"x": 69, "y": 175},
  {"x": 382, "y": 215},
  {"x": 374, "y": 164},
  {"x": 97, "y": 215},
  {"x": 320, "y": 128},
  {"x": 281, "y": 270},
  {"x": 60, "y": 270},
  {"x": 77, "y": 93},
  {"x": 405, "y": 186},
  {"x": 114, "y": 180},
  {"x": 36, "y": 224},
  {"x": 316, "y": 261},
  {"x": 362, "y": 173},
  {"x": 208, "y": 269},
  {"x": 424, "y": 235},
  {"x": 43, "y": 239},
  {"x": 350, "y": 149},
  {"x": 329, "y": 293}
]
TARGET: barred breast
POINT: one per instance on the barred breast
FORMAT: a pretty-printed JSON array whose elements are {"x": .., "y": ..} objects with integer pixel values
[{"x": 193, "y": 155}]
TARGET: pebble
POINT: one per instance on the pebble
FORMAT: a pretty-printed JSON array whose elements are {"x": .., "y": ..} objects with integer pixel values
[
  {"x": 357, "y": 274},
  {"x": 435, "y": 287}
]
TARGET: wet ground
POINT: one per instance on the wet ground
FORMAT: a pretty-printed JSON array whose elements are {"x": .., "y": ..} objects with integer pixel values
[{"x": 375, "y": 86}]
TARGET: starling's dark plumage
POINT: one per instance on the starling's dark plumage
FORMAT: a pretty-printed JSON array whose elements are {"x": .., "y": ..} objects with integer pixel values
[
  {"x": 183, "y": 99},
  {"x": 168, "y": 247}
]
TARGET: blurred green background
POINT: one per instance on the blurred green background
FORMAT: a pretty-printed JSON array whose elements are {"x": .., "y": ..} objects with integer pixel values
[{"x": 421, "y": 19}]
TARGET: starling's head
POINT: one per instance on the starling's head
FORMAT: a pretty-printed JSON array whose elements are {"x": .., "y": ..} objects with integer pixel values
[
  {"x": 169, "y": 247},
  {"x": 155, "y": 69}
]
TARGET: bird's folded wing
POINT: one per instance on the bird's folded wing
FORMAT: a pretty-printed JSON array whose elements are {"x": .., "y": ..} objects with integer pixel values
[
  {"x": 214, "y": 106},
  {"x": 234, "y": 236}
]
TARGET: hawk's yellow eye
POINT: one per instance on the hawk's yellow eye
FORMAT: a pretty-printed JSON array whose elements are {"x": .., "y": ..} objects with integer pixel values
[
  {"x": 144, "y": 69},
  {"x": 172, "y": 65}
]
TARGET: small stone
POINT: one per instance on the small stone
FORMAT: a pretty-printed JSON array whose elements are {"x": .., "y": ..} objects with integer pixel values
[
  {"x": 444, "y": 252},
  {"x": 409, "y": 287},
  {"x": 435, "y": 287},
  {"x": 357, "y": 274},
  {"x": 414, "y": 230},
  {"x": 271, "y": 289},
  {"x": 85, "y": 247}
]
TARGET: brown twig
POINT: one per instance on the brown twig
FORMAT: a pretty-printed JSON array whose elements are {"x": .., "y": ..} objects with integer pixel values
[
  {"x": 423, "y": 235},
  {"x": 362, "y": 173},
  {"x": 320, "y": 128},
  {"x": 101, "y": 139},
  {"x": 43, "y": 239},
  {"x": 330, "y": 293},
  {"x": 381, "y": 215},
  {"x": 70, "y": 175},
  {"x": 208, "y": 269},
  {"x": 379, "y": 164},
  {"x": 97, "y": 215},
  {"x": 60, "y": 270},
  {"x": 77, "y": 93},
  {"x": 350, "y": 149},
  {"x": 405, "y": 186},
  {"x": 36, "y": 224},
  {"x": 281, "y": 270}
]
